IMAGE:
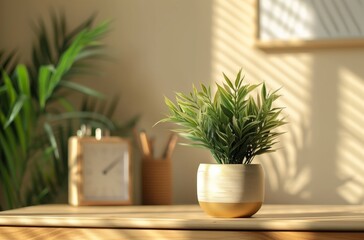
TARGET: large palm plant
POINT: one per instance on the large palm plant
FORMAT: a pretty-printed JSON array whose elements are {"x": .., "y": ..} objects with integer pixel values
[{"x": 37, "y": 116}]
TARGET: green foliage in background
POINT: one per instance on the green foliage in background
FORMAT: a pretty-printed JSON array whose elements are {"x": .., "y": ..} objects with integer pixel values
[
  {"x": 233, "y": 125},
  {"x": 37, "y": 116}
]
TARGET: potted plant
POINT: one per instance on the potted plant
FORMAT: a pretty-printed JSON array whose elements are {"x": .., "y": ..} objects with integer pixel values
[
  {"x": 37, "y": 114},
  {"x": 235, "y": 127}
]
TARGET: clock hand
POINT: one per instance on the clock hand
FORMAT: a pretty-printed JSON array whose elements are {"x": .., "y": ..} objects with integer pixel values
[{"x": 111, "y": 166}]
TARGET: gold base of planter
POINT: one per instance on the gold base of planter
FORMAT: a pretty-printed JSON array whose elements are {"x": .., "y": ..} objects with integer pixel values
[{"x": 230, "y": 210}]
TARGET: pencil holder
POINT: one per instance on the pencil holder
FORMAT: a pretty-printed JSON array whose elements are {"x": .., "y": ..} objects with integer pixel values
[{"x": 156, "y": 181}]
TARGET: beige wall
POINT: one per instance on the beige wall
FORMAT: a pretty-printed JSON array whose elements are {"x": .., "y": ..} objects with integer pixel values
[{"x": 164, "y": 46}]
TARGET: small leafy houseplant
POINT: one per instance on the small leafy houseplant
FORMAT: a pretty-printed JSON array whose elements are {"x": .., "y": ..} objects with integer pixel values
[{"x": 235, "y": 127}]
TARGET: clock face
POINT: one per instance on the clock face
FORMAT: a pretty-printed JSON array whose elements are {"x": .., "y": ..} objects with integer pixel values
[{"x": 105, "y": 171}]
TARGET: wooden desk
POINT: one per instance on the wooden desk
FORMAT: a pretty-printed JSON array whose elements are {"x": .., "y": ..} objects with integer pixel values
[{"x": 181, "y": 222}]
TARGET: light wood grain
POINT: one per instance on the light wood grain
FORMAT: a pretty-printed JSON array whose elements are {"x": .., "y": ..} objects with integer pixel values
[
  {"x": 270, "y": 217},
  {"x": 181, "y": 222},
  {"x": 36, "y": 233},
  {"x": 276, "y": 45}
]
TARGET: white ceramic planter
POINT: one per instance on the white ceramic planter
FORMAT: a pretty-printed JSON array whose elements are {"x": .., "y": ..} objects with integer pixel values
[{"x": 230, "y": 190}]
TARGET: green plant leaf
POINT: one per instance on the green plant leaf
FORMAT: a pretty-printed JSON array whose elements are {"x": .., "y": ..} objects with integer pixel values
[
  {"x": 16, "y": 109},
  {"x": 81, "y": 88},
  {"x": 23, "y": 79},
  {"x": 227, "y": 80},
  {"x": 52, "y": 139},
  {"x": 9, "y": 88},
  {"x": 44, "y": 90},
  {"x": 81, "y": 115},
  {"x": 3, "y": 89}
]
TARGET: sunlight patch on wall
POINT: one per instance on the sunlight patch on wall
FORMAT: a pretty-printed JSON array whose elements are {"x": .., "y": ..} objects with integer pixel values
[
  {"x": 233, "y": 36},
  {"x": 350, "y": 165},
  {"x": 228, "y": 38},
  {"x": 287, "y": 18},
  {"x": 310, "y": 19}
]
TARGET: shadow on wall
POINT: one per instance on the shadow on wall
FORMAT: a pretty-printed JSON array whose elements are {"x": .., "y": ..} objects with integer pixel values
[
  {"x": 321, "y": 160},
  {"x": 165, "y": 50},
  {"x": 350, "y": 134}
]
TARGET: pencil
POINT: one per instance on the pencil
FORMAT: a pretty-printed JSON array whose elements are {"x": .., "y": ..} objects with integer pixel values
[
  {"x": 170, "y": 146},
  {"x": 145, "y": 143}
]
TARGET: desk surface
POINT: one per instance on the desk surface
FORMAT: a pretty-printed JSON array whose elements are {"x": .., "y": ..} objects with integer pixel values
[{"x": 191, "y": 217}]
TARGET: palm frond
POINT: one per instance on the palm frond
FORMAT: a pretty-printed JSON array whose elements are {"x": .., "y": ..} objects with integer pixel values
[{"x": 7, "y": 63}]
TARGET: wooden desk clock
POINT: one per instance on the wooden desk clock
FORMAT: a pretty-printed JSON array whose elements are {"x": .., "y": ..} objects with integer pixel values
[{"x": 99, "y": 171}]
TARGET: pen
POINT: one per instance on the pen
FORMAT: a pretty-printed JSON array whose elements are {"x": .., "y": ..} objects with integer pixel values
[
  {"x": 145, "y": 143},
  {"x": 170, "y": 146},
  {"x": 151, "y": 141}
]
